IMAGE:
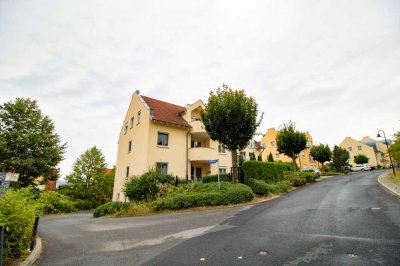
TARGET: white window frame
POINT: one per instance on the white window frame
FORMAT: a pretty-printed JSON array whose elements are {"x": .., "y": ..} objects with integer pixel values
[
  {"x": 222, "y": 170},
  {"x": 359, "y": 148},
  {"x": 221, "y": 148},
  {"x": 160, "y": 165}
]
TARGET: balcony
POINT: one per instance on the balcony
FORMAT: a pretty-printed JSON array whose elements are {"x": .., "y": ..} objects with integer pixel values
[{"x": 202, "y": 154}]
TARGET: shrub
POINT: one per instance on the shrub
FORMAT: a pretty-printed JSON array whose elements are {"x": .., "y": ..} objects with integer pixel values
[
  {"x": 17, "y": 214},
  {"x": 54, "y": 202},
  {"x": 208, "y": 194},
  {"x": 214, "y": 178},
  {"x": 330, "y": 173},
  {"x": 147, "y": 186},
  {"x": 110, "y": 208},
  {"x": 270, "y": 172},
  {"x": 259, "y": 187},
  {"x": 279, "y": 187},
  {"x": 300, "y": 178}
]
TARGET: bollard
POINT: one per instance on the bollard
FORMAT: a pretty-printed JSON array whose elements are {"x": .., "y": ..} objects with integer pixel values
[
  {"x": 35, "y": 227},
  {"x": 1, "y": 244}
]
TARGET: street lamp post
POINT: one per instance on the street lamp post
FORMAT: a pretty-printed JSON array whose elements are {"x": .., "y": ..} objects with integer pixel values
[{"x": 390, "y": 157}]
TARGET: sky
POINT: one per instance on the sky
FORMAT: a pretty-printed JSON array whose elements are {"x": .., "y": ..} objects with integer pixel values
[{"x": 332, "y": 67}]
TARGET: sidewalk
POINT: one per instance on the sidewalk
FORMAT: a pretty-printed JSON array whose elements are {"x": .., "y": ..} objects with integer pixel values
[{"x": 385, "y": 181}]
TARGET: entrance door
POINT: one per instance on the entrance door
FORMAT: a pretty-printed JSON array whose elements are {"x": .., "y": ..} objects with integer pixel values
[{"x": 198, "y": 173}]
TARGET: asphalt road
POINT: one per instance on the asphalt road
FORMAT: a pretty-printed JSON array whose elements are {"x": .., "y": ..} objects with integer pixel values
[{"x": 344, "y": 220}]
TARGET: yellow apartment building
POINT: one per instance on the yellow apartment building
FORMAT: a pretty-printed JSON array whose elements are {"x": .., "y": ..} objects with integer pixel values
[
  {"x": 304, "y": 159},
  {"x": 172, "y": 137},
  {"x": 374, "y": 150}
]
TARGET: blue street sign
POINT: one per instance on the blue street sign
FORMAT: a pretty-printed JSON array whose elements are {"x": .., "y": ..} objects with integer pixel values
[{"x": 212, "y": 161}]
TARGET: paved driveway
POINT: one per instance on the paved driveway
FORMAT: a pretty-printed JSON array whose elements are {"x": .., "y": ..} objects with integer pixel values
[{"x": 344, "y": 220}]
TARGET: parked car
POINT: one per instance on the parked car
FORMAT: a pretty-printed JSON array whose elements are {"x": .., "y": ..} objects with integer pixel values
[
  {"x": 313, "y": 170},
  {"x": 347, "y": 167},
  {"x": 360, "y": 167},
  {"x": 370, "y": 166}
]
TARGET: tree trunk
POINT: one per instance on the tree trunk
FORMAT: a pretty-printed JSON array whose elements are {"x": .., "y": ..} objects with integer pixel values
[
  {"x": 235, "y": 177},
  {"x": 294, "y": 163}
]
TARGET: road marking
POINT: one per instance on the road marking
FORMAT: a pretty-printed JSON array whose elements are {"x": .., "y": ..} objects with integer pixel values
[{"x": 133, "y": 243}]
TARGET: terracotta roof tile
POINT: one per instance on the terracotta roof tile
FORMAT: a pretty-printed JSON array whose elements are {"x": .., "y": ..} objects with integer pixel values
[{"x": 166, "y": 112}]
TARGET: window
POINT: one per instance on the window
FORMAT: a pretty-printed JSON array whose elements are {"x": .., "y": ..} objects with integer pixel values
[
  {"x": 276, "y": 155},
  {"x": 243, "y": 154},
  {"x": 130, "y": 146},
  {"x": 132, "y": 121},
  {"x": 359, "y": 148},
  {"x": 350, "y": 149},
  {"x": 222, "y": 170},
  {"x": 221, "y": 148},
  {"x": 195, "y": 144},
  {"x": 127, "y": 172},
  {"x": 138, "y": 116},
  {"x": 162, "y": 139},
  {"x": 272, "y": 143},
  {"x": 162, "y": 167},
  {"x": 126, "y": 128}
]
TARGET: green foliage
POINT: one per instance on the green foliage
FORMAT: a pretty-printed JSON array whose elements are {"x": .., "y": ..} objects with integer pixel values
[
  {"x": 214, "y": 178},
  {"x": 54, "y": 202},
  {"x": 17, "y": 214},
  {"x": 230, "y": 117},
  {"x": 147, "y": 186},
  {"x": 340, "y": 157},
  {"x": 269, "y": 172},
  {"x": 394, "y": 148},
  {"x": 110, "y": 208},
  {"x": 88, "y": 182},
  {"x": 270, "y": 158},
  {"x": 252, "y": 156},
  {"x": 321, "y": 153},
  {"x": 328, "y": 173},
  {"x": 361, "y": 159},
  {"x": 300, "y": 178},
  {"x": 199, "y": 194},
  {"x": 259, "y": 158},
  {"x": 28, "y": 142},
  {"x": 259, "y": 187},
  {"x": 291, "y": 141}
]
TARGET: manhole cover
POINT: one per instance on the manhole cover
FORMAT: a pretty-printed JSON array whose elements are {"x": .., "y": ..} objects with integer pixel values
[{"x": 263, "y": 252}]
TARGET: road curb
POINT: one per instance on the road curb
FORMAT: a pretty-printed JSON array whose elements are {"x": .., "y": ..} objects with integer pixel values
[
  {"x": 34, "y": 256},
  {"x": 386, "y": 186}
]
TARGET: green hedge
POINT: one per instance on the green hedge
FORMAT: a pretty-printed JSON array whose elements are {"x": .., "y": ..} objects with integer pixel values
[
  {"x": 259, "y": 187},
  {"x": 214, "y": 178},
  {"x": 299, "y": 179},
  {"x": 54, "y": 202},
  {"x": 270, "y": 172},
  {"x": 205, "y": 195},
  {"x": 110, "y": 208},
  {"x": 18, "y": 210},
  {"x": 330, "y": 173}
]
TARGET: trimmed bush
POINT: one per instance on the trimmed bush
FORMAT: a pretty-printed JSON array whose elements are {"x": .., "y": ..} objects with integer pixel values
[
  {"x": 147, "y": 186},
  {"x": 54, "y": 202},
  {"x": 200, "y": 194},
  {"x": 110, "y": 208},
  {"x": 214, "y": 178},
  {"x": 279, "y": 187},
  {"x": 17, "y": 214},
  {"x": 330, "y": 173},
  {"x": 270, "y": 172},
  {"x": 298, "y": 179},
  {"x": 259, "y": 187}
]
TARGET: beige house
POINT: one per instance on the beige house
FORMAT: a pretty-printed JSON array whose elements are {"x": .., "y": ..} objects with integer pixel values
[
  {"x": 171, "y": 137},
  {"x": 304, "y": 159},
  {"x": 374, "y": 150}
]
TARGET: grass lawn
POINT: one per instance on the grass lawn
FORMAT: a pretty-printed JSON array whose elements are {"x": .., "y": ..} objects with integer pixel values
[{"x": 395, "y": 179}]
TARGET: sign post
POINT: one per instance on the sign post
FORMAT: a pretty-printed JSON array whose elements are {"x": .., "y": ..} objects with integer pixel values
[{"x": 212, "y": 162}]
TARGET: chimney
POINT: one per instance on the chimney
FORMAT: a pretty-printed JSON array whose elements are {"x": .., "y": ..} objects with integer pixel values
[{"x": 137, "y": 92}]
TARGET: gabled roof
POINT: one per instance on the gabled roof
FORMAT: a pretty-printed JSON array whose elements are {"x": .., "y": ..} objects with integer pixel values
[{"x": 166, "y": 112}]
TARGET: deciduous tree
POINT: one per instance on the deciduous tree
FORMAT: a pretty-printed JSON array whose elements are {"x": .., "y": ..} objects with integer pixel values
[
  {"x": 29, "y": 144},
  {"x": 361, "y": 159},
  {"x": 291, "y": 141},
  {"x": 321, "y": 153},
  {"x": 230, "y": 117},
  {"x": 340, "y": 157}
]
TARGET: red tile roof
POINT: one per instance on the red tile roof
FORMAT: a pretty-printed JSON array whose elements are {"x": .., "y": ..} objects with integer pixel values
[{"x": 166, "y": 112}]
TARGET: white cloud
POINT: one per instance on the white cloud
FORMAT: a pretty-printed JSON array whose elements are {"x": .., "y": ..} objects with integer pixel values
[{"x": 330, "y": 66}]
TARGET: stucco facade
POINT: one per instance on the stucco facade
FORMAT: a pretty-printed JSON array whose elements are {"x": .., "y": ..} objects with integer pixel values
[
  {"x": 374, "y": 150},
  {"x": 304, "y": 159},
  {"x": 171, "y": 136}
]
